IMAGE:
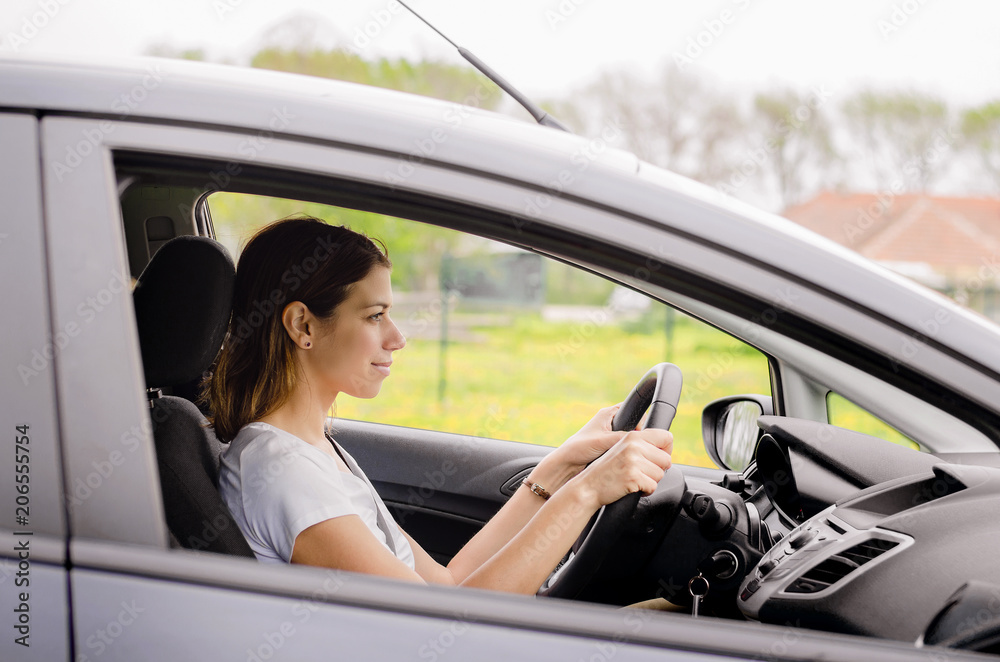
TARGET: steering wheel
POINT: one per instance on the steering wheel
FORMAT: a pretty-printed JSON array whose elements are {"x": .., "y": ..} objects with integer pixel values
[{"x": 659, "y": 390}]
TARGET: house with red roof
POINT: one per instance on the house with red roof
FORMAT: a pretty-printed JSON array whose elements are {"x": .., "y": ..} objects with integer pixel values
[{"x": 949, "y": 244}]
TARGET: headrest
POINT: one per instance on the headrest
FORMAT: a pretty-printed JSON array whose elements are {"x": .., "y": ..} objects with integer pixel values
[{"x": 183, "y": 300}]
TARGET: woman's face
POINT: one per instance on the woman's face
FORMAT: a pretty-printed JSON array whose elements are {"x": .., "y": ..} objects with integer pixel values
[{"x": 353, "y": 351}]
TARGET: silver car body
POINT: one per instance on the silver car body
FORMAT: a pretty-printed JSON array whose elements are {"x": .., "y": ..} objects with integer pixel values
[{"x": 103, "y": 583}]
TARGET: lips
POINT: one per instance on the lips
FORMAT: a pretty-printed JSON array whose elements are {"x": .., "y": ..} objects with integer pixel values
[{"x": 383, "y": 367}]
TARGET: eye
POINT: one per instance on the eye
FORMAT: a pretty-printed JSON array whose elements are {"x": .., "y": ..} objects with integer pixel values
[{"x": 377, "y": 317}]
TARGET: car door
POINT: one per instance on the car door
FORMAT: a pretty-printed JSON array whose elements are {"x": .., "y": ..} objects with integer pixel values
[{"x": 133, "y": 597}]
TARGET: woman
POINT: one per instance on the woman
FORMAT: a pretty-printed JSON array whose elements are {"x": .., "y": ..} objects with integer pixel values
[{"x": 311, "y": 319}]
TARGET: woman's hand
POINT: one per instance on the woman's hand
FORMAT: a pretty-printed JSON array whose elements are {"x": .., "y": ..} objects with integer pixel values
[
  {"x": 569, "y": 459},
  {"x": 635, "y": 464}
]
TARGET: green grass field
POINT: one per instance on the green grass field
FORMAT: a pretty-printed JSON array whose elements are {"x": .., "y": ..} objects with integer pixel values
[{"x": 539, "y": 382}]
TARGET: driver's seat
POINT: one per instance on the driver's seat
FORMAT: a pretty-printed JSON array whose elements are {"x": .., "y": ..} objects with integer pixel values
[{"x": 183, "y": 300}]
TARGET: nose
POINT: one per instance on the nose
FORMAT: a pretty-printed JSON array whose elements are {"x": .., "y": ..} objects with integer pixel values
[{"x": 394, "y": 338}]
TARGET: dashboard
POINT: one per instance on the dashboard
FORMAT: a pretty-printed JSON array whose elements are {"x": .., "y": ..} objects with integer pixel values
[{"x": 881, "y": 561}]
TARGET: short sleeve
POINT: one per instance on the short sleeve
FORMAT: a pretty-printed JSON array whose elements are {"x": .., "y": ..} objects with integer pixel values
[{"x": 285, "y": 491}]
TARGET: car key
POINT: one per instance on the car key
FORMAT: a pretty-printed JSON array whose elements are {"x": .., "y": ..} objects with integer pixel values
[{"x": 698, "y": 588}]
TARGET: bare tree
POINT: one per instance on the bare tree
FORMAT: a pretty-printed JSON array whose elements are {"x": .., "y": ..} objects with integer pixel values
[
  {"x": 675, "y": 121},
  {"x": 794, "y": 133},
  {"x": 905, "y": 136},
  {"x": 981, "y": 131}
]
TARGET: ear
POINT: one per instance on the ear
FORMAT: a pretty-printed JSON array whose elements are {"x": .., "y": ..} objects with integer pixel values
[{"x": 300, "y": 324}]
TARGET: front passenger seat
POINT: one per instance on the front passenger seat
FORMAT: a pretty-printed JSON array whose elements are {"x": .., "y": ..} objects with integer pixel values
[{"x": 183, "y": 300}]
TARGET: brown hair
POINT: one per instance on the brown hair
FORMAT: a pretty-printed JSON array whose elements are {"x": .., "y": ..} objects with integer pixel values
[{"x": 296, "y": 259}]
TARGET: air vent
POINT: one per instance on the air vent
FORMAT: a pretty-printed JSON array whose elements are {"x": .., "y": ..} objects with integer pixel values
[
  {"x": 838, "y": 566},
  {"x": 864, "y": 552}
]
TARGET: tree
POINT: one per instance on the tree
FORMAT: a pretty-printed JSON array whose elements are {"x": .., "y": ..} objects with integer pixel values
[
  {"x": 794, "y": 134},
  {"x": 981, "y": 130},
  {"x": 904, "y": 135},
  {"x": 167, "y": 51},
  {"x": 441, "y": 80},
  {"x": 676, "y": 121}
]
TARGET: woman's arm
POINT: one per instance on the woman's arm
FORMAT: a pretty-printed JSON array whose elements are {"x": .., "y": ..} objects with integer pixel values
[
  {"x": 346, "y": 543},
  {"x": 554, "y": 471},
  {"x": 519, "y": 547},
  {"x": 508, "y": 556}
]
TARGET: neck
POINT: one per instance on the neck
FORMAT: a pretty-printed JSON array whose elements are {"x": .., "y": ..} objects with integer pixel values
[{"x": 304, "y": 415}]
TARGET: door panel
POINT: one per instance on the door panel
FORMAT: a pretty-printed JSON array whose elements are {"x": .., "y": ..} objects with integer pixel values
[
  {"x": 144, "y": 604},
  {"x": 440, "y": 487},
  {"x": 148, "y": 604}
]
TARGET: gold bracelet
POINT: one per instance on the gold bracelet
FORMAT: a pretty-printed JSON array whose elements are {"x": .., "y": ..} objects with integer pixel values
[{"x": 536, "y": 488}]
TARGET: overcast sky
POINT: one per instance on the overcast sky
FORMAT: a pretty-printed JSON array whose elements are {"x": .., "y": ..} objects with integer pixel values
[{"x": 546, "y": 47}]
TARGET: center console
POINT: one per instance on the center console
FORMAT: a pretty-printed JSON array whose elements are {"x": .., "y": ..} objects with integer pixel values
[{"x": 882, "y": 562}]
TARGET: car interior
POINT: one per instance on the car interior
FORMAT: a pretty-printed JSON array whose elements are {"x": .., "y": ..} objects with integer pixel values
[{"x": 779, "y": 536}]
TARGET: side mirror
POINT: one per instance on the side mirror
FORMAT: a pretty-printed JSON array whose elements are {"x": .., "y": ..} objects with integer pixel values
[{"x": 729, "y": 428}]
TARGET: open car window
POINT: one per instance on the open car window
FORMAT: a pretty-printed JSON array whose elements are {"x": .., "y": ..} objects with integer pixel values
[{"x": 510, "y": 344}]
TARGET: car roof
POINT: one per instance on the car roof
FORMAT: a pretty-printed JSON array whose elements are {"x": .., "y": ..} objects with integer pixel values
[
  {"x": 458, "y": 135},
  {"x": 241, "y": 97}
]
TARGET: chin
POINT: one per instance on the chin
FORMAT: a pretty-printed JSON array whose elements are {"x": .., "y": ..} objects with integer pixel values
[{"x": 365, "y": 393}]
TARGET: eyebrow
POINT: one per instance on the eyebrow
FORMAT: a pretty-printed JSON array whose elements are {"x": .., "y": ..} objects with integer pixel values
[{"x": 377, "y": 304}]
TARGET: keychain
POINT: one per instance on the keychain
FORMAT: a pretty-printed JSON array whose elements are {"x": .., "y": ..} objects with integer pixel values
[{"x": 698, "y": 588}]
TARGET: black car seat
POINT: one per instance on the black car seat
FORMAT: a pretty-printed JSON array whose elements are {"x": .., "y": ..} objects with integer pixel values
[{"x": 183, "y": 300}]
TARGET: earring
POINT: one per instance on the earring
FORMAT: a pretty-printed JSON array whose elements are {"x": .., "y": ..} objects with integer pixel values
[{"x": 308, "y": 344}]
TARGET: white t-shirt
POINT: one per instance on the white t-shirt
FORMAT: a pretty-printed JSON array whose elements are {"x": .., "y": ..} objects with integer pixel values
[{"x": 277, "y": 485}]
